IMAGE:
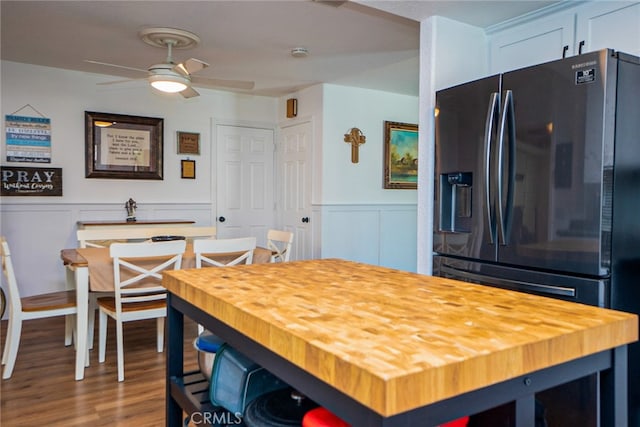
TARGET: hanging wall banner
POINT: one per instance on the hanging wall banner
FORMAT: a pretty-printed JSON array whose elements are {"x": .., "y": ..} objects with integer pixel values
[
  {"x": 26, "y": 181},
  {"x": 28, "y": 139}
]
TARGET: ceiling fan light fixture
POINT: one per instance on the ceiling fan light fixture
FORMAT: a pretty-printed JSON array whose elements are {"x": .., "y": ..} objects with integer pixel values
[
  {"x": 168, "y": 86},
  {"x": 169, "y": 83}
]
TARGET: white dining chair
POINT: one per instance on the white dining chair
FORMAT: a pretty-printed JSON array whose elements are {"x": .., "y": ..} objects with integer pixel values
[
  {"x": 223, "y": 253},
  {"x": 33, "y": 307},
  {"x": 138, "y": 293},
  {"x": 104, "y": 237},
  {"x": 209, "y": 252},
  {"x": 280, "y": 242}
]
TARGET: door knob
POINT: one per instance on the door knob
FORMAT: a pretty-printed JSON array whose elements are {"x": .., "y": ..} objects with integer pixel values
[
  {"x": 222, "y": 219},
  {"x": 305, "y": 219}
]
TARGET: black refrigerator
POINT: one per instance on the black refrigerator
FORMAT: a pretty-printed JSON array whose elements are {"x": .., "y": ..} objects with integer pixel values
[{"x": 537, "y": 189}]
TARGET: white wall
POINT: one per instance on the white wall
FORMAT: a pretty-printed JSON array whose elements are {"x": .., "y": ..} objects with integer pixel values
[
  {"x": 353, "y": 216},
  {"x": 348, "y": 107},
  {"x": 360, "y": 220},
  {"x": 37, "y": 232},
  {"x": 379, "y": 234},
  {"x": 450, "y": 53},
  {"x": 38, "y": 227},
  {"x": 63, "y": 96},
  {"x": 461, "y": 53}
]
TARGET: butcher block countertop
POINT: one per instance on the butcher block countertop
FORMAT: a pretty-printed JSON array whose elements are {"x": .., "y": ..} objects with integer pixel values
[{"x": 394, "y": 340}]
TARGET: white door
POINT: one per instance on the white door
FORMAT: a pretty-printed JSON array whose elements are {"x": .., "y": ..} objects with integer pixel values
[
  {"x": 295, "y": 190},
  {"x": 244, "y": 182}
]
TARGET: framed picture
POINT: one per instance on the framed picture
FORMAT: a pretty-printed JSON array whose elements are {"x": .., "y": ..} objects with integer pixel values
[
  {"x": 188, "y": 169},
  {"x": 123, "y": 147},
  {"x": 188, "y": 143},
  {"x": 400, "y": 155}
]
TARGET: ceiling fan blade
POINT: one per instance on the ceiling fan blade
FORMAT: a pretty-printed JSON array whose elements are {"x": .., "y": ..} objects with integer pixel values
[
  {"x": 189, "y": 93},
  {"x": 220, "y": 83},
  {"x": 119, "y": 81},
  {"x": 115, "y": 65},
  {"x": 192, "y": 65},
  {"x": 334, "y": 3}
]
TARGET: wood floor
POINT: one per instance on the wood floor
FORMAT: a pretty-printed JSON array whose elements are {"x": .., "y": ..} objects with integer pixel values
[{"x": 43, "y": 391}]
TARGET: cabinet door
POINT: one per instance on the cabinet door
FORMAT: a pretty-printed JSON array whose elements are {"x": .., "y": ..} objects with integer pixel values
[
  {"x": 535, "y": 42},
  {"x": 614, "y": 25}
]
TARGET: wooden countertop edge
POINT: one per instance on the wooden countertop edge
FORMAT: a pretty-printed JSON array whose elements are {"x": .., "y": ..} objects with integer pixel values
[{"x": 411, "y": 391}]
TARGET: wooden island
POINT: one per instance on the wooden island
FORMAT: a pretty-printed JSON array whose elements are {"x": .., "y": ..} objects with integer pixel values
[{"x": 382, "y": 347}]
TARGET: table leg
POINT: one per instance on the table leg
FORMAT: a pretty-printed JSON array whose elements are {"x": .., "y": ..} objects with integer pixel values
[
  {"x": 69, "y": 320},
  {"x": 526, "y": 411},
  {"x": 175, "y": 360},
  {"x": 80, "y": 277},
  {"x": 614, "y": 390}
]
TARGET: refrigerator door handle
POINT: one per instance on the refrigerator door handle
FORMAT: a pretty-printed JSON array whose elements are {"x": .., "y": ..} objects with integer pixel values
[
  {"x": 510, "y": 284},
  {"x": 488, "y": 131},
  {"x": 507, "y": 120}
]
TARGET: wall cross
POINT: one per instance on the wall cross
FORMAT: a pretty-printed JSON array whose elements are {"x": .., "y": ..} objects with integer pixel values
[{"x": 356, "y": 139}]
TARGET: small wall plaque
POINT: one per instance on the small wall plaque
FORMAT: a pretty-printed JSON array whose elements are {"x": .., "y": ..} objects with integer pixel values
[
  {"x": 188, "y": 143},
  {"x": 188, "y": 169}
]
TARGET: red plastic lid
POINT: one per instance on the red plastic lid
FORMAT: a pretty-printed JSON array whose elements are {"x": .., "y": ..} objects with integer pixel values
[
  {"x": 321, "y": 417},
  {"x": 460, "y": 422}
]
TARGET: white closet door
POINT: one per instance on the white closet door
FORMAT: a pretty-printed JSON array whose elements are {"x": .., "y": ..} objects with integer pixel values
[
  {"x": 295, "y": 191},
  {"x": 244, "y": 182}
]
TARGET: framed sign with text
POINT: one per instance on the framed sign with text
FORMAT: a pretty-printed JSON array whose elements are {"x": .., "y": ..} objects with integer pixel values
[
  {"x": 123, "y": 147},
  {"x": 30, "y": 181},
  {"x": 28, "y": 139},
  {"x": 188, "y": 143},
  {"x": 188, "y": 169}
]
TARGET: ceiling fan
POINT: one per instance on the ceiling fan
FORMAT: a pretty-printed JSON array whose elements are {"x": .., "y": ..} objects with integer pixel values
[{"x": 173, "y": 77}]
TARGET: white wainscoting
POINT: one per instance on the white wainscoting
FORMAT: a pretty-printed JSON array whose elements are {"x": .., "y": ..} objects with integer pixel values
[
  {"x": 376, "y": 234},
  {"x": 383, "y": 235},
  {"x": 37, "y": 232}
]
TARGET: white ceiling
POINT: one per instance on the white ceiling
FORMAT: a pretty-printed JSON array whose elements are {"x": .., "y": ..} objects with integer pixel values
[{"x": 349, "y": 43}]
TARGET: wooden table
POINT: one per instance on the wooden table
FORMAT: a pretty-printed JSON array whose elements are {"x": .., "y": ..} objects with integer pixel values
[
  {"x": 92, "y": 268},
  {"x": 381, "y": 347}
]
